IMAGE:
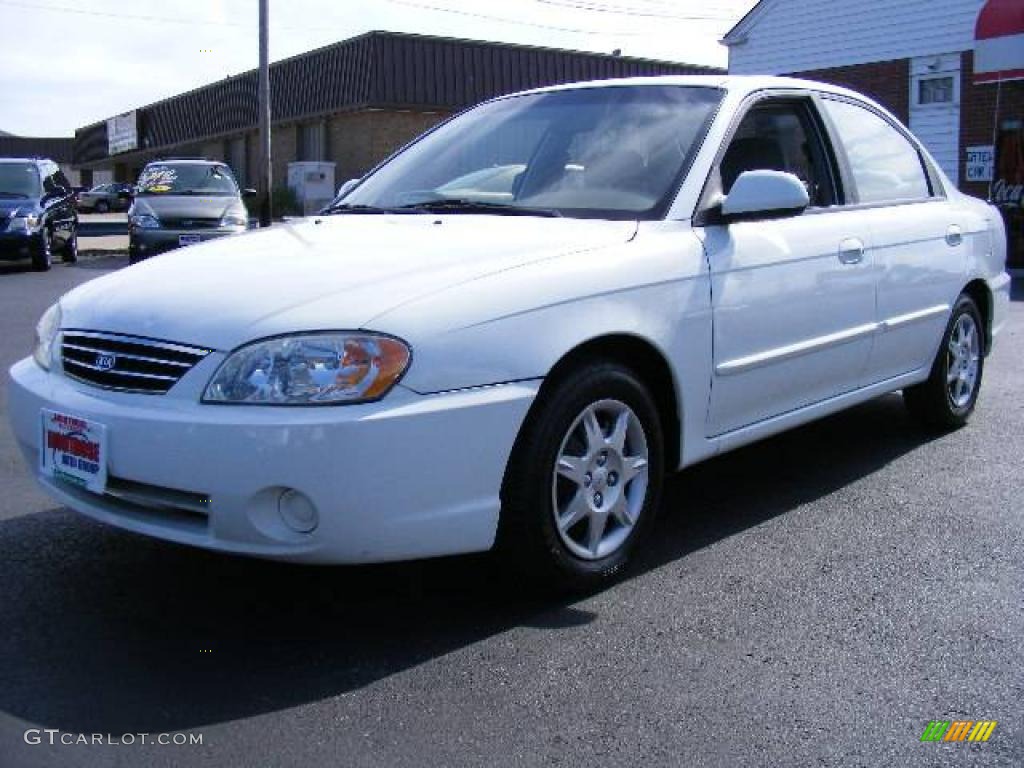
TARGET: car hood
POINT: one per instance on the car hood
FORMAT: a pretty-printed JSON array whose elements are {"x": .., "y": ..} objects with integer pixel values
[
  {"x": 186, "y": 206},
  {"x": 9, "y": 205},
  {"x": 337, "y": 272}
]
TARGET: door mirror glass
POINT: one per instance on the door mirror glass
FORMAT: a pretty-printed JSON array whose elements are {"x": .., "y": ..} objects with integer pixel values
[{"x": 765, "y": 192}]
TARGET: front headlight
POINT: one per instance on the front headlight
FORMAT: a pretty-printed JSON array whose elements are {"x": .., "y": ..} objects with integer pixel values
[
  {"x": 46, "y": 333},
  {"x": 234, "y": 220},
  {"x": 315, "y": 369},
  {"x": 26, "y": 221},
  {"x": 145, "y": 221}
]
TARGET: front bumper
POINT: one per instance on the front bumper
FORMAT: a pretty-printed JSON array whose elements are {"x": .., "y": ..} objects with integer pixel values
[
  {"x": 150, "y": 242},
  {"x": 20, "y": 245},
  {"x": 409, "y": 477}
]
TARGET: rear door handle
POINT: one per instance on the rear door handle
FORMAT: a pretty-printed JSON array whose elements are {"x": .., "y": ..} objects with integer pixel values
[
  {"x": 954, "y": 236},
  {"x": 851, "y": 251}
]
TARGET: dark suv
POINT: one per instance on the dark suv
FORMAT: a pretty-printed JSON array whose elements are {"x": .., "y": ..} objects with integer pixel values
[{"x": 37, "y": 213}]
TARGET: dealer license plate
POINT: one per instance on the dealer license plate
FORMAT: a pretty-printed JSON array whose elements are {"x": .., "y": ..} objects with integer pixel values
[{"x": 74, "y": 450}]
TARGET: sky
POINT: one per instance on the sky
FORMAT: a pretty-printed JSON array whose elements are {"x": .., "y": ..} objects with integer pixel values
[{"x": 79, "y": 62}]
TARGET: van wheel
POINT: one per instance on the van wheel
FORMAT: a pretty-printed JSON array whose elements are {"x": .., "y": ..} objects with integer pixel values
[
  {"x": 43, "y": 257},
  {"x": 70, "y": 254},
  {"x": 584, "y": 480},
  {"x": 946, "y": 400}
]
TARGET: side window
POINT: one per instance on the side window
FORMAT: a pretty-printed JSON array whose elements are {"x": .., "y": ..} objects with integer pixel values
[
  {"x": 49, "y": 179},
  {"x": 885, "y": 166},
  {"x": 780, "y": 136}
]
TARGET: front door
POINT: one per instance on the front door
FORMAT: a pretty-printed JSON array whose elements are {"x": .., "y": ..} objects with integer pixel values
[{"x": 793, "y": 298}]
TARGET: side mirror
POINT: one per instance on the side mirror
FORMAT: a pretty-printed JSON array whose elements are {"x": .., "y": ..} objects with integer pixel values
[
  {"x": 249, "y": 193},
  {"x": 765, "y": 192},
  {"x": 345, "y": 188}
]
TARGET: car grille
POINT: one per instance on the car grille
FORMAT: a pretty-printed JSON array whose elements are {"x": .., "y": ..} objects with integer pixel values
[
  {"x": 189, "y": 223},
  {"x": 126, "y": 363}
]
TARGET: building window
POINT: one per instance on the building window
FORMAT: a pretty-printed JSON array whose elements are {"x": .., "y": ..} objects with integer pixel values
[
  {"x": 312, "y": 141},
  {"x": 936, "y": 90}
]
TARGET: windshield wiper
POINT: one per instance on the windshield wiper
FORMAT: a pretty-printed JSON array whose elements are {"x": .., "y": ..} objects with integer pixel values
[
  {"x": 359, "y": 208},
  {"x": 456, "y": 205},
  {"x": 13, "y": 194}
]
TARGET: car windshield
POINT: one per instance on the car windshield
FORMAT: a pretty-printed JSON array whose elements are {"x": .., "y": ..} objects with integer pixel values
[
  {"x": 186, "y": 179},
  {"x": 613, "y": 152},
  {"x": 19, "y": 180}
]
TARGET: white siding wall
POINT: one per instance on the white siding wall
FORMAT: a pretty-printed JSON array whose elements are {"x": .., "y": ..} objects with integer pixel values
[
  {"x": 798, "y": 35},
  {"x": 937, "y": 125}
]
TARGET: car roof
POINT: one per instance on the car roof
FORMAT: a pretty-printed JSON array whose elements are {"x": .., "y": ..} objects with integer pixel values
[
  {"x": 186, "y": 161},
  {"x": 738, "y": 83},
  {"x": 33, "y": 160}
]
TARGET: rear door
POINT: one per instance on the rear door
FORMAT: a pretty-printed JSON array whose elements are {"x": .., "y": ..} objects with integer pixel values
[
  {"x": 919, "y": 251},
  {"x": 793, "y": 297}
]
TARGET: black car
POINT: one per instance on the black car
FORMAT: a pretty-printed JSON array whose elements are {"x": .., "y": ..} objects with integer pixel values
[{"x": 37, "y": 212}]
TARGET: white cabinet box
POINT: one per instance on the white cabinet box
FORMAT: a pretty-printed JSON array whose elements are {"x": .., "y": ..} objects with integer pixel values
[{"x": 313, "y": 183}]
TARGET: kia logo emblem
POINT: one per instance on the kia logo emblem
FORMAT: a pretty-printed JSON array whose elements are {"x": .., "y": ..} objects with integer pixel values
[{"x": 106, "y": 362}]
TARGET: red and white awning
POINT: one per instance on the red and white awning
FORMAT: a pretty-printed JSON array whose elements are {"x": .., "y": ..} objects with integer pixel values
[{"x": 999, "y": 42}]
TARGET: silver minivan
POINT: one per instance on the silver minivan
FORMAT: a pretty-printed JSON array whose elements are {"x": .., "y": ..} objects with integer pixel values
[{"x": 183, "y": 202}]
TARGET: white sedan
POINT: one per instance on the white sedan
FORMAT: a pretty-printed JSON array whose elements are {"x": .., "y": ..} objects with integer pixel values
[{"x": 673, "y": 267}]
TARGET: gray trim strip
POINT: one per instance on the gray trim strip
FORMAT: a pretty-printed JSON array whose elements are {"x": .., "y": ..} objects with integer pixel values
[
  {"x": 743, "y": 364},
  {"x": 913, "y": 317}
]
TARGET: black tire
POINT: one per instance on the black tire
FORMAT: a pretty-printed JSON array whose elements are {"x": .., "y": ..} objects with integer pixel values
[
  {"x": 43, "y": 256},
  {"x": 529, "y": 540},
  {"x": 102, "y": 207},
  {"x": 932, "y": 403},
  {"x": 70, "y": 253}
]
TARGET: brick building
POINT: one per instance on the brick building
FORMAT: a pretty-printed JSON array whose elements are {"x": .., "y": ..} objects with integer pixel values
[
  {"x": 941, "y": 66},
  {"x": 351, "y": 104}
]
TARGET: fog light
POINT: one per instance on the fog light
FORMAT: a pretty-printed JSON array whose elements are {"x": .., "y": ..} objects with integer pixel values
[{"x": 297, "y": 511}]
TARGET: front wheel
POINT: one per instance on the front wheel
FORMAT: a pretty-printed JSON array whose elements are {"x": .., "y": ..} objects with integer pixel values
[
  {"x": 584, "y": 480},
  {"x": 43, "y": 256},
  {"x": 947, "y": 399}
]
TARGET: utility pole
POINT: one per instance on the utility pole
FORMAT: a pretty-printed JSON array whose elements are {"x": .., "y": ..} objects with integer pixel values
[{"x": 266, "y": 168}]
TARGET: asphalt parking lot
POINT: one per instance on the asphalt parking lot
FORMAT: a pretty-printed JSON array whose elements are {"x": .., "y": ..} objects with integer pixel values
[{"x": 815, "y": 599}]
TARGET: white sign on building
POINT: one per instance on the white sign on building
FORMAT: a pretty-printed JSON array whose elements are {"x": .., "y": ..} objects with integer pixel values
[
  {"x": 123, "y": 133},
  {"x": 980, "y": 163}
]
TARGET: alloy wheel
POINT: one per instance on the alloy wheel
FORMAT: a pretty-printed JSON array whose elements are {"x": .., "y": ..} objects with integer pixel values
[
  {"x": 600, "y": 480},
  {"x": 963, "y": 361}
]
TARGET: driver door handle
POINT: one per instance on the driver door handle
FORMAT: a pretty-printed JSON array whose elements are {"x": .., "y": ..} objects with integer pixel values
[{"x": 851, "y": 251}]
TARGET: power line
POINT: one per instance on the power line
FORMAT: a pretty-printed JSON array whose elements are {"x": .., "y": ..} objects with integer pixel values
[
  {"x": 506, "y": 20},
  {"x": 627, "y": 10},
  {"x": 148, "y": 18}
]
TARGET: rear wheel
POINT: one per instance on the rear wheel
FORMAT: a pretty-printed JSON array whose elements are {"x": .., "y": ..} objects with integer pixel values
[
  {"x": 584, "y": 480},
  {"x": 947, "y": 399},
  {"x": 70, "y": 253}
]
